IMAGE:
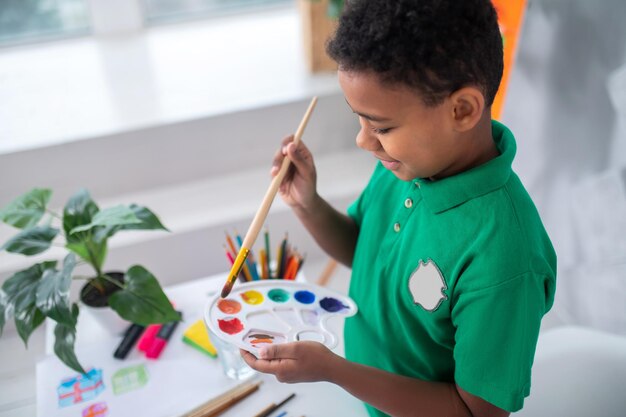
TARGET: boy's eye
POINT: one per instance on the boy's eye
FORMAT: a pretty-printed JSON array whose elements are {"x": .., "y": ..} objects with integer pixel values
[{"x": 380, "y": 131}]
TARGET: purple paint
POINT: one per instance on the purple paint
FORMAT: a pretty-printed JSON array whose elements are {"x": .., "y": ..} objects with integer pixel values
[
  {"x": 305, "y": 297},
  {"x": 332, "y": 304}
]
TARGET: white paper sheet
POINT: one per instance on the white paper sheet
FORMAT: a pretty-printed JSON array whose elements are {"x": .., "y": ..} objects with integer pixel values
[{"x": 181, "y": 379}]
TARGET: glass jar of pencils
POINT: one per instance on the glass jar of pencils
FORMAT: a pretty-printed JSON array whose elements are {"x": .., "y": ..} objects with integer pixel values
[{"x": 283, "y": 263}]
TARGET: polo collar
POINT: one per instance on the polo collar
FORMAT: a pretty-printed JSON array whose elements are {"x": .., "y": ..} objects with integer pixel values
[{"x": 444, "y": 194}]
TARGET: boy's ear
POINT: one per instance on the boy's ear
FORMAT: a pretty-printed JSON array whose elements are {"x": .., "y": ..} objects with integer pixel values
[{"x": 467, "y": 106}]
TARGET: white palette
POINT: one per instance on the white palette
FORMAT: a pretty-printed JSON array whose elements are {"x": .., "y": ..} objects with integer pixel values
[{"x": 277, "y": 311}]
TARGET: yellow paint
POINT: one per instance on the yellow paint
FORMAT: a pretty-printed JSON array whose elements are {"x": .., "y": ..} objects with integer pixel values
[{"x": 252, "y": 297}]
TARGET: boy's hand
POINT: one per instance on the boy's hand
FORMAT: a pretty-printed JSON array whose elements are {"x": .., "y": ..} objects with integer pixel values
[
  {"x": 298, "y": 189},
  {"x": 294, "y": 362}
]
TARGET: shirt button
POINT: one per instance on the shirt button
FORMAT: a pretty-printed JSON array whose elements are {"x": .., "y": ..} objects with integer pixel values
[
  {"x": 396, "y": 227},
  {"x": 408, "y": 203}
]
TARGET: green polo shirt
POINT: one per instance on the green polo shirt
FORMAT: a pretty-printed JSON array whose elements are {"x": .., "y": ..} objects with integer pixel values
[{"x": 452, "y": 278}]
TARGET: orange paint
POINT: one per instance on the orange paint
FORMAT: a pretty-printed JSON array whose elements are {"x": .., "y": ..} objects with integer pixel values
[
  {"x": 510, "y": 19},
  {"x": 229, "y": 306},
  {"x": 256, "y": 341}
]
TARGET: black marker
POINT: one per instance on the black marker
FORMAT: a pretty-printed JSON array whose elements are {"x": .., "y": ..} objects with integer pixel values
[{"x": 130, "y": 338}]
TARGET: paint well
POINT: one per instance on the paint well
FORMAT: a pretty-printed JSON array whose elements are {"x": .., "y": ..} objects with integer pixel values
[
  {"x": 230, "y": 325},
  {"x": 332, "y": 305},
  {"x": 310, "y": 317},
  {"x": 266, "y": 320},
  {"x": 305, "y": 297},
  {"x": 257, "y": 338},
  {"x": 229, "y": 306},
  {"x": 311, "y": 336},
  {"x": 252, "y": 297},
  {"x": 278, "y": 295},
  {"x": 288, "y": 315}
]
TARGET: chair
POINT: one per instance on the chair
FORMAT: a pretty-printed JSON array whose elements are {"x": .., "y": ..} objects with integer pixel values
[{"x": 578, "y": 372}]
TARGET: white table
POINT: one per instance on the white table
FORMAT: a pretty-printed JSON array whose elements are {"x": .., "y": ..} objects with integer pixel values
[{"x": 312, "y": 399}]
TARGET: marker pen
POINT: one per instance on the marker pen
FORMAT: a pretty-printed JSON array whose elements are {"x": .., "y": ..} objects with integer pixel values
[
  {"x": 160, "y": 340},
  {"x": 130, "y": 338},
  {"x": 148, "y": 337}
]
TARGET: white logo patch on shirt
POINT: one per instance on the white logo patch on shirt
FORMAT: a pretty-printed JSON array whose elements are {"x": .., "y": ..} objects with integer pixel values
[{"x": 426, "y": 285}]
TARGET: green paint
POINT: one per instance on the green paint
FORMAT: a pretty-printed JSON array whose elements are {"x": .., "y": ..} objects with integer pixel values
[{"x": 278, "y": 295}]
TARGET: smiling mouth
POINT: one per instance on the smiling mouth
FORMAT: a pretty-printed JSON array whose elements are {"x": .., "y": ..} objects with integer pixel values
[{"x": 390, "y": 165}]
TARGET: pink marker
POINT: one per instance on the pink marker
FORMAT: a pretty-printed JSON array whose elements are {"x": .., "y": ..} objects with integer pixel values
[
  {"x": 160, "y": 340},
  {"x": 148, "y": 337}
]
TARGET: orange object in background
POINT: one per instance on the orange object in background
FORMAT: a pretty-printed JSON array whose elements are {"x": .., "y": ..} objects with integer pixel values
[{"x": 510, "y": 19}]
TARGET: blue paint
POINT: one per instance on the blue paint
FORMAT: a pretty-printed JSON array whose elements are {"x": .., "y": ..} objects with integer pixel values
[
  {"x": 332, "y": 304},
  {"x": 305, "y": 297}
]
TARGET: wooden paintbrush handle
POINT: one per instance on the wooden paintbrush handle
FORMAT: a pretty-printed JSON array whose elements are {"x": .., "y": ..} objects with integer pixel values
[{"x": 261, "y": 214}]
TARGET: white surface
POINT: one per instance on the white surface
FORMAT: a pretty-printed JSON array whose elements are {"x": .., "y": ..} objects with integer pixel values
[
  {"x": 578, "y": 372},
  {"x": 171, "y": 391}
]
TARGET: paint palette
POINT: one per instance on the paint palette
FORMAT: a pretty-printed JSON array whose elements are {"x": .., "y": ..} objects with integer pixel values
[{"x": 276, "y": 311}]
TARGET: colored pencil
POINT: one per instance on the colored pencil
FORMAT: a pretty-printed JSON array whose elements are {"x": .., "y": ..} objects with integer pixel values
[
  {"x": 267, "y": 253},
  {"x": 273, "y": 407},
  {"x": 219, "y": 404},
  {"x": 264, "y": 268},
  {"x": 254, "y": 276},
  {"x": 261, "y": 214},
  {"x": 292, "y": 268},
  {"x": 231, "y": 245},
  {"x": 283, "y": 258}
]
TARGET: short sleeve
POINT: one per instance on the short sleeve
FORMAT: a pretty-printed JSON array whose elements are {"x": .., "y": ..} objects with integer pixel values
[
  {"x": 357, "y": 209},
  {"x": 496, "y": 336}
]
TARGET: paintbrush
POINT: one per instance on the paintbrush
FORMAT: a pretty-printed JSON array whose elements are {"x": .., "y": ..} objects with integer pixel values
[{"x": 261, "y": 214}]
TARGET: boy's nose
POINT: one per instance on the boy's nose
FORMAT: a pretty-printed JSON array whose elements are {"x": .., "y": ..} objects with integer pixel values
[{"x": 367, "y": 141}]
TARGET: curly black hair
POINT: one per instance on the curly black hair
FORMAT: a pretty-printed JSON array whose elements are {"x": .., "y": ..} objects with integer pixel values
[{"x": 434, "y": 46}]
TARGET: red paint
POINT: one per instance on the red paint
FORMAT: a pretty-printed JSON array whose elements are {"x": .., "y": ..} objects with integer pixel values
[{"x": 230, "y": 326}]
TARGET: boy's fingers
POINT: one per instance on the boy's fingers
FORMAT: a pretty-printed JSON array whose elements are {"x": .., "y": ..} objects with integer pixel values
[
  {"x": 280, "y": 351},
  {"x": 280, "y": 155}
]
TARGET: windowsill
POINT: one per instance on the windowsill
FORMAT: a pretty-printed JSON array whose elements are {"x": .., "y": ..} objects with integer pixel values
[{"x": 82, "y": 88}]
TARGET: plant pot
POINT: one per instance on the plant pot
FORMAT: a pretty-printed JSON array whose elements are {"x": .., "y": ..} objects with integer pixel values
[
  {"x": 97, "y": 304},
  {"x": 317, "y": 27}
]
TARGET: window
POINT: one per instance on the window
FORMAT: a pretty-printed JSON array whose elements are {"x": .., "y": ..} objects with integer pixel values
[
  {"x": 172, "y": 10},
  {"x": 34, "y": 20}
]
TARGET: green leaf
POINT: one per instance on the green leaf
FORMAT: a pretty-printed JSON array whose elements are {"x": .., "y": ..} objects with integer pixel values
[
  {"x": 142, "y": 300},
  {"x": 26, "y": 321},
  {"x": 64, "y": 340},
  {"x": 147, "y": 221},
  {"x": 31, "y": 241},
  {"x": 93, "y": 253},
  {"x": 3, "y": 310},
  {"x": 79, "y": 210},
  {"x": 53, "y": 292},
  {"x": 26, "y": 210},
  {"x": 20, "y": 290},
  {"x": 114, "y": 216}
]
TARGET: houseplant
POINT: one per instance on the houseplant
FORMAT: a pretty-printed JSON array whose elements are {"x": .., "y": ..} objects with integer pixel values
[{"x": 43, "y": 290}]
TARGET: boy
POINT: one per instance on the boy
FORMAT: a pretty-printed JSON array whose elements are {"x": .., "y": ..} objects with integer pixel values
[{"x": 452, "y": 269}]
